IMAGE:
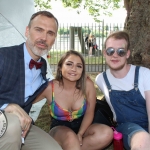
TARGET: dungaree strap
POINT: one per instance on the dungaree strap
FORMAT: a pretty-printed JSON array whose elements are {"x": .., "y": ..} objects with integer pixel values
[
  {"x": 106, "y": 81},
  {"x": 135, "y": 79}
]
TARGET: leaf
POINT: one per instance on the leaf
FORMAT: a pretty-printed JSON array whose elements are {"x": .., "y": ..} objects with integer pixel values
[{"x": 95, "y": 7}]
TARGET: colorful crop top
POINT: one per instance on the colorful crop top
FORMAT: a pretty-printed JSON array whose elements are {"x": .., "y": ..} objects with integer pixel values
[{"x": 63, "y": 114}]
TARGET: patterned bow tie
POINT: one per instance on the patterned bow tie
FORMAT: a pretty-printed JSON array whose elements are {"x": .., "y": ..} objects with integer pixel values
[{"x": 36, "y": 64}]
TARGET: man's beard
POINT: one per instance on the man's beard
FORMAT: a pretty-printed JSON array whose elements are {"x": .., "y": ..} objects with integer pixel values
[{"x": 38, "y": 51}]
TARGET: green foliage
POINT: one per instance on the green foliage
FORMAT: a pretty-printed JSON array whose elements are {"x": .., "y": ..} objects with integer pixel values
[
  {"x": 99, "y": 32},
  {"x": 95, "y": 7},
  {"x": 42, "y": 4},
  {"x": 62, "y": 31},
  {"x": 72, "y": 3}
]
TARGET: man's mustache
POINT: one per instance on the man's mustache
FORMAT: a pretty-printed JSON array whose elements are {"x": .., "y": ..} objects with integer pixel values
[{"x": 42, "y": 42}]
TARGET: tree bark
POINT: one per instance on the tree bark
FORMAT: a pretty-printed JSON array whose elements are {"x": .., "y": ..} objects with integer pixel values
[{"x": 137, "y": 24}]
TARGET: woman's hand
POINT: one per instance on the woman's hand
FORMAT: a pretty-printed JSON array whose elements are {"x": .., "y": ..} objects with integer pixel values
[{"x": 80, "y": 138}]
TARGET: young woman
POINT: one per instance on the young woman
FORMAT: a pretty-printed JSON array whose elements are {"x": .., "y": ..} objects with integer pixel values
[
  {"x": 91, "y": 39},
  {"x": 71, "y": 98}
]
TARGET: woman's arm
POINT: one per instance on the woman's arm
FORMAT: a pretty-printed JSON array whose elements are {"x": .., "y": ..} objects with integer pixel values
[
  {"x": 91, "y": 101},
  {"x": 47, "y": 93}
]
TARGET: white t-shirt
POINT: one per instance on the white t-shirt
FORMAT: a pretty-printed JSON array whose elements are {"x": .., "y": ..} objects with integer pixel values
[{"x": 124, "y": 84}]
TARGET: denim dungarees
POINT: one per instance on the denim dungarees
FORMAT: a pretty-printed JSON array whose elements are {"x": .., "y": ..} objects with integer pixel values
[
  {"x": 129, "y": 106},
  {"x": 130, "y": 109}
]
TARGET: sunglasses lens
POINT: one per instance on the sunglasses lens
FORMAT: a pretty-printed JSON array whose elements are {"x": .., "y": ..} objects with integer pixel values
[
  {"x": 121, "y": 52},
  {"x": 110, "y": 51}
]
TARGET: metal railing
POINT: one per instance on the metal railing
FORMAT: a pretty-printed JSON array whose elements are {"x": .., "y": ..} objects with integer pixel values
[{"x": 73, "y": 37}]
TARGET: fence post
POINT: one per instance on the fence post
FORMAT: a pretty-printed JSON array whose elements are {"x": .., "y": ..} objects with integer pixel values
[
  {"x": 81, "y": 39},
  {"x": 71, "y": 38}
]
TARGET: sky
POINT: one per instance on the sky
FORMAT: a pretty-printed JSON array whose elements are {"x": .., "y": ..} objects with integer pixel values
[{"x": 68, "y": 15}]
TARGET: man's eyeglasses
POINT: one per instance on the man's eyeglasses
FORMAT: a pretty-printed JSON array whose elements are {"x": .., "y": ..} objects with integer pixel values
[{"x": 120, "y": 51}]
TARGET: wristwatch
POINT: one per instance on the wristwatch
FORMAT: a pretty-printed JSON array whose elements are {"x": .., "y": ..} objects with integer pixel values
[{"x": 3, "y": 123}]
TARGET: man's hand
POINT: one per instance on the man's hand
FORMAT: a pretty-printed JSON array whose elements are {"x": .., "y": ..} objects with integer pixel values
[{"x": 24, "y": 118}]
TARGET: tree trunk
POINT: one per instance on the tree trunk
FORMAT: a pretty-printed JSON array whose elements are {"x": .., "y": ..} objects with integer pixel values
[{"x": 138, "y": 26}]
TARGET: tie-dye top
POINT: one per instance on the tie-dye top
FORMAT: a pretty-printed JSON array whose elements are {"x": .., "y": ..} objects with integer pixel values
[{"x": 63, "y": 114}]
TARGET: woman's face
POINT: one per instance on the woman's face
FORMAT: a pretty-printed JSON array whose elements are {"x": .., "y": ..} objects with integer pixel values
[{"x": 72, "y": 68}]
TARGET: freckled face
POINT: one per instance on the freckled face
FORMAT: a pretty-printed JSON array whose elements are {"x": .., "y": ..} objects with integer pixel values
[
  {"x": 116, "y": 62},
  {"x": 41, "y": 35},
  {"x": 72, "y": 68}
]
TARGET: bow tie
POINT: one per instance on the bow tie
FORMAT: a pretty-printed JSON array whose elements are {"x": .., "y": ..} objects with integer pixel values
[{"x": 36, "y": 64}]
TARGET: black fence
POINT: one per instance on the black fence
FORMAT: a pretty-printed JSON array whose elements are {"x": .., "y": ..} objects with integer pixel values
[{"x": 73, "y": 37}]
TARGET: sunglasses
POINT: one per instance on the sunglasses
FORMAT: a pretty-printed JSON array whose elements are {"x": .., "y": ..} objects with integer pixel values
[{"x": 120, "y": 51}]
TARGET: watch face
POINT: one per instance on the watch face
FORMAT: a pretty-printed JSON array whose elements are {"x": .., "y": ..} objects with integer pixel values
[{"x": 3, "y": 123}]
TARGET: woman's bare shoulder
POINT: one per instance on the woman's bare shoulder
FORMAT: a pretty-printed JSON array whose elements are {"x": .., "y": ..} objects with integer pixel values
[{"x": 89, "y": 81}]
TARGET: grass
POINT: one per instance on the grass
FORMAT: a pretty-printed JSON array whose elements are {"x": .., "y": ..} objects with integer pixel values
[{"x": 56, "y": 55}]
